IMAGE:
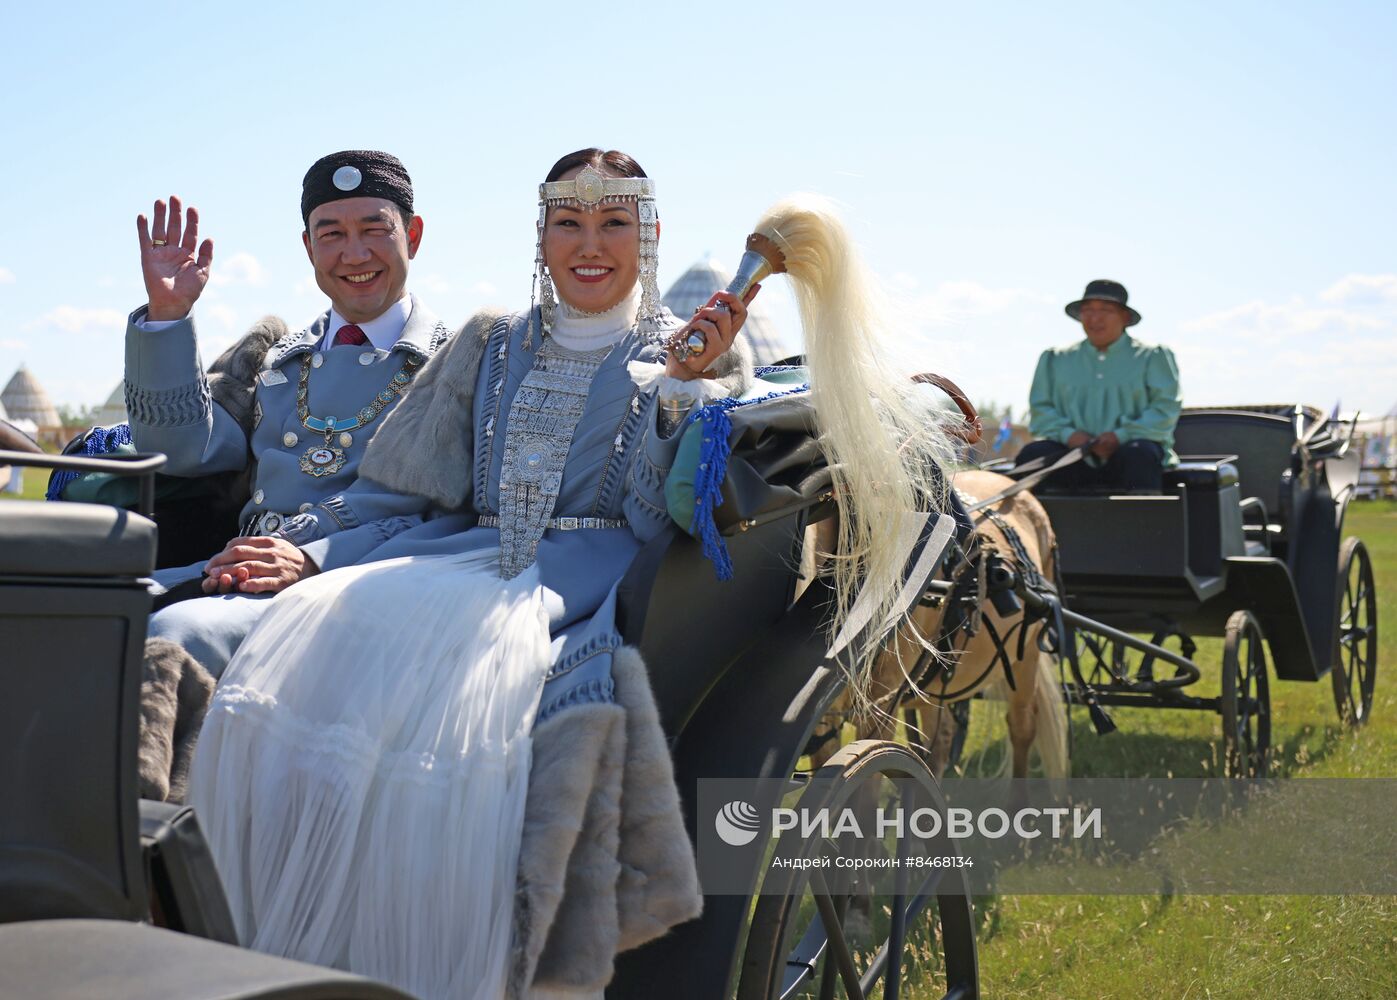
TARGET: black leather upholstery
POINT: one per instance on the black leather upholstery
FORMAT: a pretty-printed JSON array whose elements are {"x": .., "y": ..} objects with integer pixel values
[
  {"x": 74, "y": 540},
  {"x": 112, "y": 960},
  {"x": 1212, "y": 475},
  {"x": 72, "y": 627}
]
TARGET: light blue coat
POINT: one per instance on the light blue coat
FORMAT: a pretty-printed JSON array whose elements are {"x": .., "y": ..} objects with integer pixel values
[
  {"x": 615, "y": 468},
  {"x": 171, "y": 410}
]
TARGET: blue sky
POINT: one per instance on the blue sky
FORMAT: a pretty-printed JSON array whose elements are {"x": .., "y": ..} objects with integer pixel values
[{"x": 1231, "y": 163}]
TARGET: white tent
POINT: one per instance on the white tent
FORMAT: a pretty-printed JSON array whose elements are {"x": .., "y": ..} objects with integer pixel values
[
  {"x": 25, "y": 399},
  {"x": 708, "y": 276}
]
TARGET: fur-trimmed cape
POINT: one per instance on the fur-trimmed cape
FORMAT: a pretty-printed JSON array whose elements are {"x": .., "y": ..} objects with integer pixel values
[{"x": 605, "y": 862}]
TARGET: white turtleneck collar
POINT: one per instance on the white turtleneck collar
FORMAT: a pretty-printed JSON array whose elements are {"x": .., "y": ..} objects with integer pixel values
[{"x": 583, "y": 331}]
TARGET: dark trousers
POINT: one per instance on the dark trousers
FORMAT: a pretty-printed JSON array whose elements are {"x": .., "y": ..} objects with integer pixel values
[{"x": 1136, "y": 465}]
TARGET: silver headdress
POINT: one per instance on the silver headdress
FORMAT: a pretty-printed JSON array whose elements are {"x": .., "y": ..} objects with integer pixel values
[{"x": 586, "y": 191}]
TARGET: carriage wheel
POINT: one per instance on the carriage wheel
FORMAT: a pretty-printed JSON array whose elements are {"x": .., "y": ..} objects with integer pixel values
[
  {"x": 808, "y": 941},
  {"x": 1246, "y": 699},
  {"x": 1355, "y": 635}
]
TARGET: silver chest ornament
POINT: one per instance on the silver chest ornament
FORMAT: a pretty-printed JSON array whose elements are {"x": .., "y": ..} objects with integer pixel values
[
  {"x": 543, "y": 419},
  {"x": 325, "y": 459}
]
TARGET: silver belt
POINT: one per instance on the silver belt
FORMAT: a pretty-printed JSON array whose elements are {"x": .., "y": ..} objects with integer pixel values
[
  {"x": 563, "y": 523},
  {"x": 264, "y": 523}
]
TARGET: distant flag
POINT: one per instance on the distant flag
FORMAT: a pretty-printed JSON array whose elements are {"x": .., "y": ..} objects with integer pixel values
[{"x": 1002, "y": 438}]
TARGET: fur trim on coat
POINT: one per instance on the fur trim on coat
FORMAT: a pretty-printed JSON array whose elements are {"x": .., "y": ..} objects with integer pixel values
[
  {"x": 734, "y": 368},
  {"x": 175, "y": 694},
  {"x": 436, "y": 418},
  {"x": 605, "y": 862},
  {"x": 233, "y": 375}
]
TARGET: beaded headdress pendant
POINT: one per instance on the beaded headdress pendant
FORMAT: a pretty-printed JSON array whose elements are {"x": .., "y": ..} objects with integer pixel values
[{"x": 587, "y": 191}]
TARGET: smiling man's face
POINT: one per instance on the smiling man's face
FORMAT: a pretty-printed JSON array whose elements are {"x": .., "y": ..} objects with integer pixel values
[{"x": 360, "y": 248}]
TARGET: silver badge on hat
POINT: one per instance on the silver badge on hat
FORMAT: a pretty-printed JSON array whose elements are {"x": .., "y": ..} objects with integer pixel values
[{"x": 347, "y": 178}]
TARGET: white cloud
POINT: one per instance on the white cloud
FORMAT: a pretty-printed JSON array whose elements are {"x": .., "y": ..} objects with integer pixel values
[
  {"x": 73, "y": 319},
  {"x": 1287, "y": 320},
  {"x": 1362, "y": 288},
  {"x": 10, "y": 344},
  {"x": 7, "y": 277},
  {"x": 241, "y": 268},
  {"x": 1340, "y": 343},
  {"x": 482, "y": 288}
]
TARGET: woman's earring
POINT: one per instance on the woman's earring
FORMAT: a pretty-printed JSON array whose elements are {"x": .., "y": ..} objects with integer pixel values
[{"x": 547, "y": 302}]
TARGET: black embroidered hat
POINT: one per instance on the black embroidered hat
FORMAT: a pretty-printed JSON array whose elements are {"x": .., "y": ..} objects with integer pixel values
[
  {"x": 1103, "y": 290},
  {"x": 355, "y": 173}
]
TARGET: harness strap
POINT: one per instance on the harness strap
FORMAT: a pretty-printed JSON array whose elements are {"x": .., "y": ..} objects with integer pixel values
[{"x": 1028, "y": 482}]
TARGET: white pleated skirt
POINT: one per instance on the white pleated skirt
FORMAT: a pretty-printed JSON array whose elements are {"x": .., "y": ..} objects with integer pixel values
[{"x": 362, "y": 772}]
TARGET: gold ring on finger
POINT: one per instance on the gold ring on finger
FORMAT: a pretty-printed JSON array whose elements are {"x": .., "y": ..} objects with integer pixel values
[{"x": 157, "y": 243}]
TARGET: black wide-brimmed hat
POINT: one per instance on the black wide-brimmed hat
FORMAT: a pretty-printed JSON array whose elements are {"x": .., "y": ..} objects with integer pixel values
[{"x": 1104, "y": 290}]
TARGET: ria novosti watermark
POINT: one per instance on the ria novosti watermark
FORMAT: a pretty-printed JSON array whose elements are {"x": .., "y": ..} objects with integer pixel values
[{"x": 1081, "y": 836}]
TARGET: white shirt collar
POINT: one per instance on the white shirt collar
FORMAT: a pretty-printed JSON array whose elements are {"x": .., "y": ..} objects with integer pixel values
[{"x": 383, "y": 332}]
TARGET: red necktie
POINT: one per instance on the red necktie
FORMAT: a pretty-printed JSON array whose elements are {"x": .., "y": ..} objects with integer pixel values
[{"x": 350, "y": 335}]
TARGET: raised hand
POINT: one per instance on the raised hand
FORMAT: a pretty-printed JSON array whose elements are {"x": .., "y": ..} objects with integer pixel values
[{"x": 173, "y": 262}]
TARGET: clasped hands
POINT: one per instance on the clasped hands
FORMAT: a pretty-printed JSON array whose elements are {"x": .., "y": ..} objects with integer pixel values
[
  {"x": 1103, "y": 446},
  {"x": 719, "y": 320},
  {"x": 260, "y": 564}
]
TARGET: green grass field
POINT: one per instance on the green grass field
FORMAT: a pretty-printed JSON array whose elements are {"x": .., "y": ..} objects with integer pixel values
[
  {"x": 35, "y": 483},
  {"x": 1271, "y": 947}
]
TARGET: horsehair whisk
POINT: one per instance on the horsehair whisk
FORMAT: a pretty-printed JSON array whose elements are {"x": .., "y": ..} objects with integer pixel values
[{"x": 884, "y": 443}]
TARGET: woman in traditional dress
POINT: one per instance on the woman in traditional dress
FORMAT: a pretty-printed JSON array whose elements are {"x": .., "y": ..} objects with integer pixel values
[{"x": 407, "y": 761}]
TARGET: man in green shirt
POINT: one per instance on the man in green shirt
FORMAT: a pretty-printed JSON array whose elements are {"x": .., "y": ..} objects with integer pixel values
[{"x": 1111, "y": 392}]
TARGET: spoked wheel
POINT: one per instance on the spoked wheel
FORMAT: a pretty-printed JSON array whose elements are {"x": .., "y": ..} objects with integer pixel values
[
  {"x": 1170, "y": 636},
  {"x": 1246, "y": 699},
  {"x": 1356, "y": 635},
  {"x": 807, "y": 940}
]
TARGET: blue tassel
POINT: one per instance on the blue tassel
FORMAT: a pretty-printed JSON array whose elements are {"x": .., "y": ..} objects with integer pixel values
[
  {"x": 713, "y": 469},
  {"x": 97, "y": 442},
  {"x": 708, "y": 485}
]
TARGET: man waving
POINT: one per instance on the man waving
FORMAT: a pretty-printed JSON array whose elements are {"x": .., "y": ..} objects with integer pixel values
[{"x": 294, "y": 409}]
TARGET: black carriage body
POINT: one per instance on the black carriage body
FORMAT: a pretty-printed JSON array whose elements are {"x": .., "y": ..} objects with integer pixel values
[
  {"x": 738, "y": 670},
  {"x": 1251, "y": 519}
]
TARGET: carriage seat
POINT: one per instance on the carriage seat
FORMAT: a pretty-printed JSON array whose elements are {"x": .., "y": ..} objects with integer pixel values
[
  {"x": 74, "y": 540},
  {"x": 1261, "y": 446},
  {"x": 80, "y": 959},
  {"x": 1199, "y": 474}
]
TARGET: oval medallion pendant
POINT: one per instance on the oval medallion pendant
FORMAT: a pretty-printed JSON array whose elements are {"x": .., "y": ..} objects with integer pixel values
[{"x": 322, "y": 460}]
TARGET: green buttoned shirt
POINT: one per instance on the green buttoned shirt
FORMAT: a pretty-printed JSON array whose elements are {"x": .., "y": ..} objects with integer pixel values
[{"x": 1131, "y": 388}]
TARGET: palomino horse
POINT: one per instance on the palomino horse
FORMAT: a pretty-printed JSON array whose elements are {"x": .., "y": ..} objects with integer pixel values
[{"x": 983, "y": 653}]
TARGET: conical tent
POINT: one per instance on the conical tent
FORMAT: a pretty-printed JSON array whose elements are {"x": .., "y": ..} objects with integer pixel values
[
  {"x": 113, "y": 411},
  {"x": 708, "y": 276},
  {"x": 25, "y": 399}
]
